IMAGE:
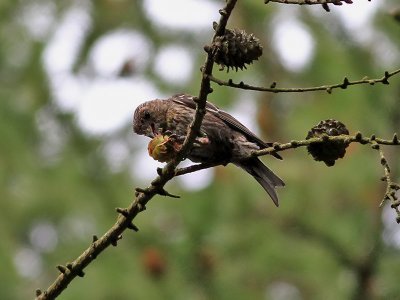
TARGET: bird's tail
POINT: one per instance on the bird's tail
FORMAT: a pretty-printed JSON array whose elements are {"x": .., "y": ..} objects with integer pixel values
[{"x": 265, "y": 177}]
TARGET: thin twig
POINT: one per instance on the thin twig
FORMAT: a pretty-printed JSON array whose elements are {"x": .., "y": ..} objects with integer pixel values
[
  {"x": 310, "y": 2},
  {"x": 391, "y": 186},
  {"x": 195, "y": 168},
  {"x": 328, "y": 88},
  {"x": 357, "y": 138}
]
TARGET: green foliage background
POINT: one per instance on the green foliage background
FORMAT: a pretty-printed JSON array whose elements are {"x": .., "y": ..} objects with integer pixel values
[{"x": 227, "y": 241}]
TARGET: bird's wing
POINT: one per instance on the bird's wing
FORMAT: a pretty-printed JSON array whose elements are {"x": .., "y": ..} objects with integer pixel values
[
  {"x": 236, "y": 125},
  {"x": 187, "y": 101}
]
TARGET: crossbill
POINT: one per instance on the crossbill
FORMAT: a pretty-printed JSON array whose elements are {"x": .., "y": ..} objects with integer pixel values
[{"x": 222, "y": 139}]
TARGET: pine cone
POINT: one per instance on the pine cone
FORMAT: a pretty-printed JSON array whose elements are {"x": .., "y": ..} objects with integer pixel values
[
  {"x": 235, "y": 49},
  {"x": 327, "y": 151}
]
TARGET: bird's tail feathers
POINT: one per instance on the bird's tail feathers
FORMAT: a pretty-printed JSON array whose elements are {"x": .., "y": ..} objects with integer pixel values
[{"x": 265, "y": 177}]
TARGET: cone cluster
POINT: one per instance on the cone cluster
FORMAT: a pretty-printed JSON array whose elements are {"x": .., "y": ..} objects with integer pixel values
[{"x": 327, "y": 151}]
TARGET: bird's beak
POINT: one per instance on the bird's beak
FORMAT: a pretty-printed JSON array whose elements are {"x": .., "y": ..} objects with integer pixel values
[
  {"x": 149, "y": 133},
  {"x": 153, "y": 129}
]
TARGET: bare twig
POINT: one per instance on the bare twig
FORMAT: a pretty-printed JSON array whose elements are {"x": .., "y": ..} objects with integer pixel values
[
  {"x": 391, "y": 186},
  {"x": 124, "y": 221},
  {"x": 328, "y": 88},
  {"x": 357, "y": 138},
  {"x": 324, "y": 3},
  {"x": 310, "y": 2},
  {"x": 194, "y": 168}
]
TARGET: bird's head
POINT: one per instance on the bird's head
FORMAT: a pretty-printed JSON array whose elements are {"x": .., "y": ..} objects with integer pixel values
[{"x": 149, "y": 118}]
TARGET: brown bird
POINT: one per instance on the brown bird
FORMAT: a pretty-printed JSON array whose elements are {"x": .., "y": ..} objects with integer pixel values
[{"x": 222, "y": 138}]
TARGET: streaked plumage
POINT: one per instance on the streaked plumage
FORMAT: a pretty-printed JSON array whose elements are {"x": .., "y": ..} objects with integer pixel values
[{"x": 222, "y": 139}]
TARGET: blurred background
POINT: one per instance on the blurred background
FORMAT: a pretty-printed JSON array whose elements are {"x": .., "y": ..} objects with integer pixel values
[{"x": 72, "y": 73}]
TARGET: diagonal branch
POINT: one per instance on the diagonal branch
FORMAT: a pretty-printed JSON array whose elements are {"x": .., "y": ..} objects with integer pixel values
[
  {"x": 328, "y": 88},
  {"x": 124, "y": 221}
]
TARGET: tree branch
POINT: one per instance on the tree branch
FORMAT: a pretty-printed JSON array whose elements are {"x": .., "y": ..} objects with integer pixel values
[
  {"x": 310, "y": 2},
  {"x": 124, "y": 221},
  {"x": 357, "y": 138},
  {"x": 328, "y": 88},
  {"x": 391, "y": 186},
  {"x": 195, "y": 168}
]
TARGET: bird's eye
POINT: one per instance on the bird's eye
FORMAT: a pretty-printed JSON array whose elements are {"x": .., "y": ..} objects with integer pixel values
[{"x": 146, "y": 115}]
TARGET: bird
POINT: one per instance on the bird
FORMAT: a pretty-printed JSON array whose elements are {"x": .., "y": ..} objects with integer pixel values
[{"x": 222, "y": 139}]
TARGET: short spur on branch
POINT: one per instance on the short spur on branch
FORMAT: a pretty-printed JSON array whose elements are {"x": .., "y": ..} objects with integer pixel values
[{"x": 222, "y": 139}]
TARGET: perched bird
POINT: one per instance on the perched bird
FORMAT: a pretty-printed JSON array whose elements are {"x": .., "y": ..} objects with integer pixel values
[{"x": 222, "y": 138}]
